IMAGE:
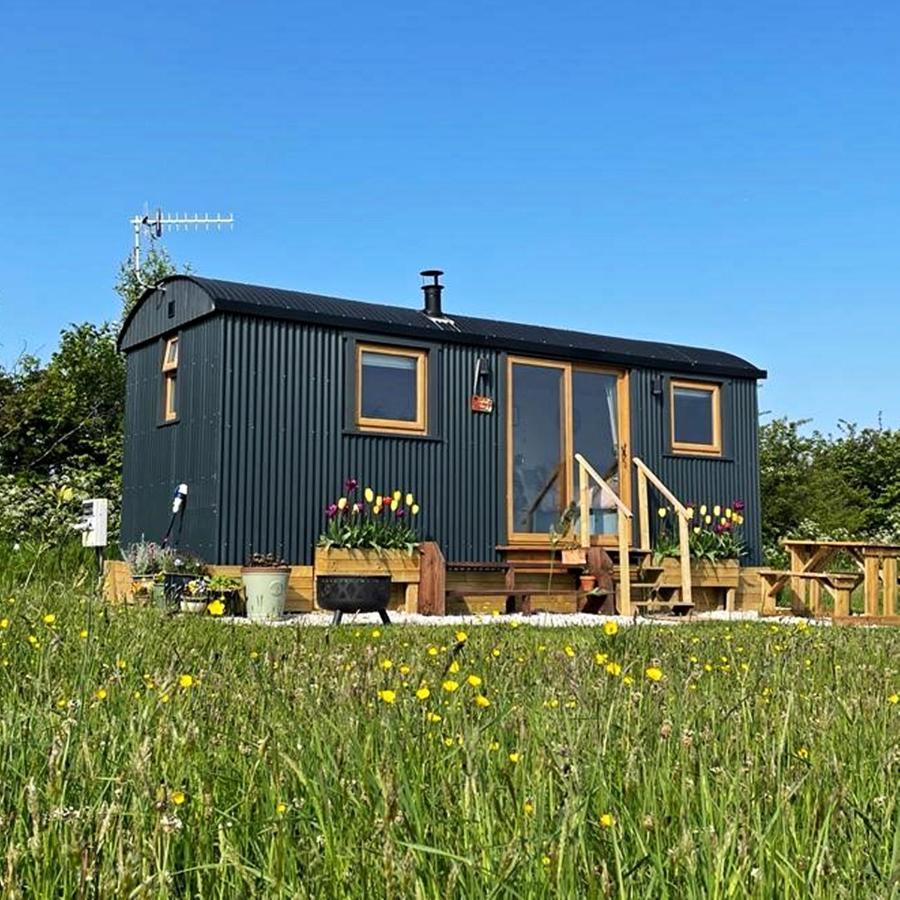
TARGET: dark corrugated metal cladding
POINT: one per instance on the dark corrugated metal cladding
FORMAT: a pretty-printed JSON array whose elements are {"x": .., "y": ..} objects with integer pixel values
[
  {"x": 287, "y": 450},
  {"x": 701, "y": 479},
  {"x": 159, "y": 457}
]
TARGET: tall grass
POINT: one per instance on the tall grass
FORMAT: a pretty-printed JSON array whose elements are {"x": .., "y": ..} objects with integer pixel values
[{"x": 148, "y": 756}]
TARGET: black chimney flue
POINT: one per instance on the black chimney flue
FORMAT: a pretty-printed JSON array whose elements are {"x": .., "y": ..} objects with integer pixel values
[{"x": 433, "y": 293}]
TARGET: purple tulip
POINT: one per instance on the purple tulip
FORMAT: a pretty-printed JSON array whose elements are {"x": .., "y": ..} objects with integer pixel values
[
  {"x": 738, "y": 505},
  {"x": 331, "y": 510},
  {"x": 350, "y": 485},
  {"x": 401, "y": 512}
]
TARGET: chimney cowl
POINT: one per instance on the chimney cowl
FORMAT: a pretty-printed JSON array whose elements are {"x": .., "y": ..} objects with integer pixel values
[{"x": 432, "y": 293}]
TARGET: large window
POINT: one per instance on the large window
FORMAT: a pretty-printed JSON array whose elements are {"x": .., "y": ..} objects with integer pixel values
[
  {"x": 696, "y": 417},
  {"x": 391, "y": 389},
  {"x": 170, "y": 378}
]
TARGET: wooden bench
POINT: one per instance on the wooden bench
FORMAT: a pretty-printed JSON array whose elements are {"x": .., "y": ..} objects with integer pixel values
[{"x": 839, "y": 584}]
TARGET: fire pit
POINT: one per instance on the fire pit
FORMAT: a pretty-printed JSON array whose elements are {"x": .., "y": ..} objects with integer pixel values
[{"x": 354, "y": 593}]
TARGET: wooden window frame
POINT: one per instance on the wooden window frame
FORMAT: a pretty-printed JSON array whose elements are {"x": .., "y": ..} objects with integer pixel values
[
  {"x": 715, "y": 393},
  {"x": 169, "y": 367},
  {"x": 526, "y": 538},
  {"x": 417, "y": 426}
]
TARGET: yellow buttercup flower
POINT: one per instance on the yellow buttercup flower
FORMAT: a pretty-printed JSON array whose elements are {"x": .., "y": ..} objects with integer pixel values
[
  {"x": 600, "y": 658},
  {"x": 404, "y": 670},
  {"x": 802, "y": 753},
  {"x": 654, "y": 673},
  {"x": 216, "y": 608},
  {"x": 49, "y": 619},
  {"x": 423, "y": 693},
  {"x": 186, "y": 681},
  {"x": 101, "y": 694},
  {"x": 461, "y": 636},
  {"x": 178, "y": 797},
  {"x": 607, "y": 820},
  {"x": 614, "y": 669},
  {"x": 569, "y": 651},
  {"x": 453, "y": 668},
  {"x": 482, "y": 701},
  {"x": 387, "y": 696},
  {"x": 386, "y": 664},
  {"x": 528, "y": 807},
  {"x": 4, "y": 623},
  {"x": 474, "y": 680},
  {"x": 433, "y": 717},
  {"x": 894, "y": 698},
  {"x": 610, "y": 628},
  {"x": 450, "y": 686},
  {"x": 514, "y": 757},
  {"x": 281, "y": 808}
]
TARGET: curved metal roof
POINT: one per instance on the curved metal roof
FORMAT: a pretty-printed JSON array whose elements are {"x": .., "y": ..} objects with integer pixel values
[{"x": 257, "y": 300}]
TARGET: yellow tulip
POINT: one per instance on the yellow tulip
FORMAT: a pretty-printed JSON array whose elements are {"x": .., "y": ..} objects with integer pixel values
[
  {"x": 717, "y": 510},
  {"x": 662, "y": 512},
  {"x": 342, "y": 503},
  {"x": 410, "y": 500},
  {"x": 369, "y": 494},
  {"x": 394, "y": 505},
  {"x": 703, "y": 510},
  {"x": 708, "y": 520},
  {"x": 690, "y": 512},
  {"x": 728, "y": 512},
  {"x": 397, "y": 495},
  {"x": 414, "y": 509}
]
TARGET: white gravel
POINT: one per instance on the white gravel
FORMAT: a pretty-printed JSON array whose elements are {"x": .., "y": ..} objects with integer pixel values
[{"x": 538, "y": 620}]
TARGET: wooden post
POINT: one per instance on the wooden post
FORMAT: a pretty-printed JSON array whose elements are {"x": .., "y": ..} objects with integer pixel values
[
  {"x": 797, "y": 587},
  {"x": 841, "y": 601},
  {"x": 432, "y": 597},
  {"x": 815, "y": 598},
  {"x": 624, "y": 567},
  {"x": 585, "y": 510},
  {"x": 889, "y": 573},
  {"x": 643, "y": 509},
  {"x": 870, "y": 568},
  {"x": 684, "y": 548}
]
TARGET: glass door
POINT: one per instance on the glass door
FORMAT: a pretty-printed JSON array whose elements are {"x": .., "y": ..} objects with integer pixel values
[{"x": 555, "y": 411}]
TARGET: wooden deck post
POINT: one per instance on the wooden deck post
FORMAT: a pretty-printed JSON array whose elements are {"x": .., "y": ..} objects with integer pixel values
[
  {"x": 889, "y": 573},
  {"x": 871, "y": 567},
  {"x": 643, "y": 509},
  {"x": 624, "y": 566},
  {"x": 432, "y": 596},
  {"x": 684, "y": 545},
  {"x": 584, "y": 507}
]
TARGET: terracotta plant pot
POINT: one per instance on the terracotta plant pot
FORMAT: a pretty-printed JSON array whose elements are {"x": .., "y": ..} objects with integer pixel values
[{"x": 587, "y": 582}]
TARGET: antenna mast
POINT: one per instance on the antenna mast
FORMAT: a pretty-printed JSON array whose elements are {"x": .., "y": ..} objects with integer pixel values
[{"x": 155, "y": 224}]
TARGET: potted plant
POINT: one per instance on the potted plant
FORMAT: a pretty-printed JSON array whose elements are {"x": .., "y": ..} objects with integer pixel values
[
  {"x": 716, "y": 545},
  {"x": 195, "y": 596},
  {"x": 146, "y": 560},
  {"x": 227, "y": 590},
  {"x": 367, "y": 538},
  {"x": 265, "y": 579},
  {"x": 180, "y": 571}
]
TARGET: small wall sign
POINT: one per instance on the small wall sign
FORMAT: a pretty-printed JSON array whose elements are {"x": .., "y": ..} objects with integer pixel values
[{"x": 482, "y": 404}]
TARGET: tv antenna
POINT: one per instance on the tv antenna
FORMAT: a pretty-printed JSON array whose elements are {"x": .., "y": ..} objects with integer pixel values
[{"x": 156, "y": 223}]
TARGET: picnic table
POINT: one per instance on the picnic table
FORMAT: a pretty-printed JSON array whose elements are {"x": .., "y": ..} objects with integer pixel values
[{"x": 876, "y": 568}]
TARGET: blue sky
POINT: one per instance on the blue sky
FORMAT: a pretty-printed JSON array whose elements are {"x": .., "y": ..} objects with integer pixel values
[{"x": 718, "y": 174}]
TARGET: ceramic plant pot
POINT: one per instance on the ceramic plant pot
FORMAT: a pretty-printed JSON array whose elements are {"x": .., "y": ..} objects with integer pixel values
[
  {"x": 194, "y": 605},
  {"x": 265, "y": 589}
]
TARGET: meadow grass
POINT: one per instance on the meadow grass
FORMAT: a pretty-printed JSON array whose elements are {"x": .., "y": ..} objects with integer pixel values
[{"x": 148, "y": 756}]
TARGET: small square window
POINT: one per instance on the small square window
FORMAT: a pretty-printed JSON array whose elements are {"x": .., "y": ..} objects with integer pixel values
[
  {"x": 696, "y": 417},
  {"x": 390, "y": 389}
]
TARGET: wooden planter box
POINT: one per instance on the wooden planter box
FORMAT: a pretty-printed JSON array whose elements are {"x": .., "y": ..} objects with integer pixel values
[
  {"x": 404, "y": 570},
  {"x": 712, "y": 583}
]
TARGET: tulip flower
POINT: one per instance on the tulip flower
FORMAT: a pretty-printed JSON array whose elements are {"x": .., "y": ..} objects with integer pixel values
[
  {"x": 414, "y": 509},
  {"x": 331, "y": 510},
  {"x": 370, "y": 495},
  {"x": 397, "y": 495},
  {"x": 662, "y": 512},
  {"x": 717, "y": 510},
  {"x": 342, "y": 504},
  {"x": 350, "y": 485},
  {"x": 409, "y": 499},
  {"x": 394, "y": 505},
  {"x": 703, "y": 510}
]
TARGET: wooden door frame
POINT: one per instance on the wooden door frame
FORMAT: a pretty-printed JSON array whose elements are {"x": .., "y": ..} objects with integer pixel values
[{"x": 623, "y": 415}]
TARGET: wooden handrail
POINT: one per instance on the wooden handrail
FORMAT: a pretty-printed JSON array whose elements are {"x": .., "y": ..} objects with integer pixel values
[
  {"x": 655, "y": 481},
  {"x": 645, "y": 474},
  {"x": 623, "y": 514},
  {"x": 593, "y": 473}
]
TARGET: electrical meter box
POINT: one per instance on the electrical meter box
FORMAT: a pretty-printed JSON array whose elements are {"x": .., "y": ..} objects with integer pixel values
[{"x": 92, "y": 525}]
